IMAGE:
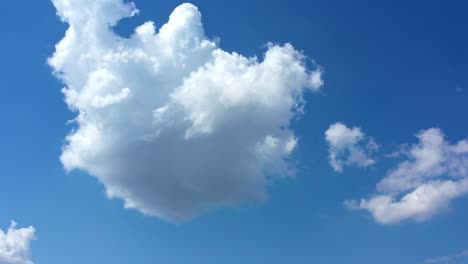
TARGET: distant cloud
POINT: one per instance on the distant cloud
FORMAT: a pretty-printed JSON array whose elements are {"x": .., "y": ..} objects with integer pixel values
[
  {"x": 447, "y": 259},
  {"x": 169, "y": 122},
  {"x": 14, "y": 245},
  {"x": 348, "y": 147},
  {"x": 435, "y": 173},
  {"x": 402, "y": 150}
]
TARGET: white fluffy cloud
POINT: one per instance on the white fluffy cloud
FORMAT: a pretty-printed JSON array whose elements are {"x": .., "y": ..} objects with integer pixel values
[
  {"x": 166, "y": 120},
  {"x": 348, "y": 147},
  {"x": 14, "y": 245},
  {"x": 435, "y": 173}
]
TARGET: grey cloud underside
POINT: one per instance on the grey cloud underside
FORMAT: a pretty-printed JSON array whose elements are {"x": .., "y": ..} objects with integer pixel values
[{"x": 169, "y": 122}]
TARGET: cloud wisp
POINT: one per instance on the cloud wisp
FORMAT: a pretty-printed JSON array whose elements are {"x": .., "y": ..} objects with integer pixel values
[
  {"x": 15, "y": 245},
  {"x": 434, "y": 173},
  {"x": 168, "y": 121},
  {"x": 447, "y": 259},
  {"x": 349, "y": 147}
]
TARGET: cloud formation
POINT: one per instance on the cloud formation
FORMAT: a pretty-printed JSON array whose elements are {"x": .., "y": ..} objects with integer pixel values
[
  {"x": 169, "y": 122},
  {"x": 349, "y": 147},
  {"x": 434, "y": 173},
  {"x": 14, "y": 245}
]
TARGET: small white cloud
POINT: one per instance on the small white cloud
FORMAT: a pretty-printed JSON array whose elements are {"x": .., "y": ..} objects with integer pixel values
[
  {"x": 348, "y": 147},
  {"x": 168, "y": 121},
  {"x": 431, "y": 158},
  {"x": 14, "y": 245},
  {"x": 420, "y": 204},
  {"x": 316, "y": 79},
  {"x": 435, "y": 173}
]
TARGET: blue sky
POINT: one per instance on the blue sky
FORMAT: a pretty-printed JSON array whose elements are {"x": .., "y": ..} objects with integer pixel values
[{"x": 391, "y": 68}]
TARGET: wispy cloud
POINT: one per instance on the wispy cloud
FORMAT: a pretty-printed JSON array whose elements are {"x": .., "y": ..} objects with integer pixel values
[
  {"x": 447, "y": 259},
  {"x": 434, "y": 173}
]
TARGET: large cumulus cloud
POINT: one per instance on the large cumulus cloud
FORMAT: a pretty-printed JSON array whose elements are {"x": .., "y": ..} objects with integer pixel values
[{"x": 168, "y": 121}]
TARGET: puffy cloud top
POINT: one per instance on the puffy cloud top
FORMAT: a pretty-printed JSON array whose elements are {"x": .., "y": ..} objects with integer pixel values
[
  {"x": 434, "y": 173},
  {"x": 166, "y": 120},
  {"x": 14, "y": 245}
]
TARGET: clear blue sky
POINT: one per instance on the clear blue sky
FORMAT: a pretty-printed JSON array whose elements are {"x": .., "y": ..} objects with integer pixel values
[{"x": 391, "y": 68}]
